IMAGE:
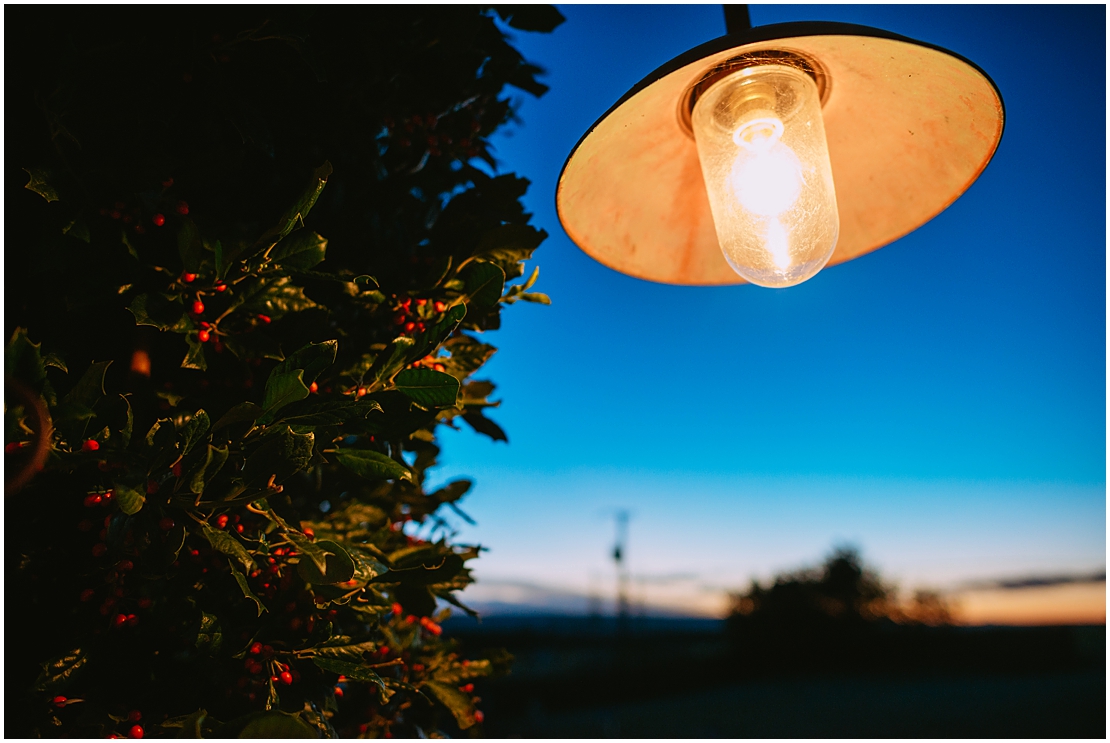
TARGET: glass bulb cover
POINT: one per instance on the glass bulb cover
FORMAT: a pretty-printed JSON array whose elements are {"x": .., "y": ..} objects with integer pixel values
[{"x": 761, "y": 143}]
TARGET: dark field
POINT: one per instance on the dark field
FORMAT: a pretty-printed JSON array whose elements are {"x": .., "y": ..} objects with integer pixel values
[{"x": 575, "y": 678}]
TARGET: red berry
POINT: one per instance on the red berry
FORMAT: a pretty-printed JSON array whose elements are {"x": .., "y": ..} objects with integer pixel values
[
  {"x": 421, "y": 302},
  {"x": 312, "y": 388},
  {"x": 440, "y": 307},
  {"x": 165, "y": 524},
  {"x": 338, "y": 692},
  {"x": 92, "y": 500},
  {"x": 267, "y": 650},
  {"x": 136, "y": 731},
  {"x": 265, "y": 319},
  {"x": 286, "y": 678},
  {"x": 203, "y": 336},
  {"x": 239, "y": 528},
  {"x": 59, "y": 701},
  {"x": 12, "y": 447},
  {"x": 108, "y": 495},
  {"x": 126, "y": 566},
  {"x": 468, "y": 688},
  {"x": 176, "y": 469},
  {"x": 99, "y": 549},
  {"x": 119, "y": 620},
  {"x": 221, "y": 287},
  {"x": 114, "y": 214},
  {"x": 256, "y": 648},
  {"x": 198, "y": 307},
  {"x": 90, "y": 445},
  {"x": 182, "y": 208},
  {"x": 478, "y": 716},
  {"x": 145, "y": 603},
  {"x": 158, "y": 220},
  {"x": 409, "y": 327},
  {"x": 221, "y": 520},
  {"x": 151, "y": 487},
  {"x": 420, "y": 326},
  {"x": 189, "y": 278},
  {"x": 134, "y": 715},
  {"x": 140, "y": 230},
  {"x": 132, "y": 620}
]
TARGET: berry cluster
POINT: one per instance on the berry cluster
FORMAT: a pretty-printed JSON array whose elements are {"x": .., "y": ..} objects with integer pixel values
[{"x": 454, "y": 134}]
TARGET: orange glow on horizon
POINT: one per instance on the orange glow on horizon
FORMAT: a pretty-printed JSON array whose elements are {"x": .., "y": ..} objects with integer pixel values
[{"x": 1071, "y": 603}]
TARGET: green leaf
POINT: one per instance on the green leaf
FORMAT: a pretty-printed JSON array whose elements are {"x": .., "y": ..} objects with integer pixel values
[
  {"x": 24, "y": 361},
  {"x": 295, "y": 214},
  {"x": 40, "y": 183},
  {"x": 280, "y": 454},
  {"x": 339, "y": 567},
  {"x": 536, "y": 297},
  {"x": 128, "y": 426},
  {"x": 213, "y": 462},
  {"x": 193, "y": 431},
  {"x": 56, "y": 361},
  {"x": 316, "y": 552},
  {"x": 57, "y": 673},
  {"x": 90, "y": 388},
  {"x": 302, "y": 249},
  {"x": 391, "y": 360},
  {"x": 429, "y": 388},
  {"x": 156, "y": 310},
  {"x": 313, "y": 359},
  {"x": 484, "y": 282},
  {"x": 209, "y": 636},
  {"x": 282, "y": 389},
  {"x": 372, "y": 465},
  {"x": 222, "y": 264},
  {"x": 541, "y": 18},
  {"x": 191, "y": 725},
  {"x": 222, "y": 541},
  {"x": 276, "y": 724},
  {"x": 244, "y": 412},
  {"x": 246, "y": 589},
  {"x": 480, "y": 423},
  {"x": 130, "y": 499},
  {"x": 442, "y": 570},
  {"x": 194, "y": 357},
  {"x": 509, "y": 245},
  {"x": 430, "y": 339},
  {"x": 452, "y": 491},
  {"x": 454, "y": 700},
  {"x": 331, "y": 413},
  {"x": 77, "y": 229},
  {"x": 353, "y": 671},
  {"x": 189, "y": 246},
  {"x": 352, "y": 653}
]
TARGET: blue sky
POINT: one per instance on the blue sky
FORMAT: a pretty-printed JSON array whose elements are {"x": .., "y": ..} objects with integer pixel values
[{"x": 940, "y": 402}]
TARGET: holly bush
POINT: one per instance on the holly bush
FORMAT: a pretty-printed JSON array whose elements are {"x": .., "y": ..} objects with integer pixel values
[{"x": 250, "y": 262}]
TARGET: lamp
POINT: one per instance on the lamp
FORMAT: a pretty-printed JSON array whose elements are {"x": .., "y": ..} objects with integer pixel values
[{"x": 770, "y": 152}]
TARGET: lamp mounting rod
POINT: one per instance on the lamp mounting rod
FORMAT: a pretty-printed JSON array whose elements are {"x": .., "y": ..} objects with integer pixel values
[{"x": 737, "y": 18}]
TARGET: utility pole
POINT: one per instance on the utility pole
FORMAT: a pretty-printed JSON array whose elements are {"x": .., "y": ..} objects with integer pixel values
[{"x": 619, "y": 553}]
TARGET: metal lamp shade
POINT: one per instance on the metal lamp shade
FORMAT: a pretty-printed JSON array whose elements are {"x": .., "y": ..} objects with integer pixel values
[{"x": 910, "y": 127}]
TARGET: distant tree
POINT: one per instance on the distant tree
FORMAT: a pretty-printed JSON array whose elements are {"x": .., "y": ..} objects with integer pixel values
[{"x": 250, "y": 256}]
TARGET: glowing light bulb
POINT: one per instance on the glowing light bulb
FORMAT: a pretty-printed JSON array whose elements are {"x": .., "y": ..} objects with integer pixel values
[{"x": 761, "y": 143}]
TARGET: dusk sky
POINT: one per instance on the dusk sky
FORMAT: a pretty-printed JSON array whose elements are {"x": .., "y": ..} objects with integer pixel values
[{"x": 940, "y": 403}]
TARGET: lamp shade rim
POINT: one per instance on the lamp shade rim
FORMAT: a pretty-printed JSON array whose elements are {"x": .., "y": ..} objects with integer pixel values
[{"x": 757, "y": 38}]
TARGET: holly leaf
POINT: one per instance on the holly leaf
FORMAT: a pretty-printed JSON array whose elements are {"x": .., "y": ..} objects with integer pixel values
[
  {"x": 129, "y": 499},
  {"x": 509, "y": 245},
  {"x": 302, "y": 249},
  {"x": 353, "y": 671},
  {"x": 189, "y": 245},
  {"x": 24, "y": 361},
  {"x": 244, "y": 412},
  {"x": 40, "y": 183},
  {"x": 56, "y": 674},
  {"x": 281, "y": 454},
  {"x": 209, "y": 635},
  {"x": 312, "y": 359},
  {"x": 480, "y": 423},
  {"x": 434, "y": 335},
  {"x": 352, "y": 653},
  {"x": 391, "y": 360},
  {"x": 317, "y": 552},
  {"x": 77, "y": 229},
  {"x": 90, "y": 387},
  {"x": 246, "y": 589},
  {"x": 156, "y": 310},
  {"x": 213, "y": 462},
  {"x": 339, "y": 568},
  {"x": 331, "y": 413},
  {"x": 429, "y": 388},
  {"x": 222, "y": 541},
  {"x": 454, "y": 700},
  {"x": 282, "y": 388},
  {"x": 194, "y": 357},
  {"x": 372, "y": 465},
  {"x": 295, "y": 214},
  {"x": 483, "y": 284},
  {"x": 276, "y": 724},
  {"x": 193, "y": 431}
]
